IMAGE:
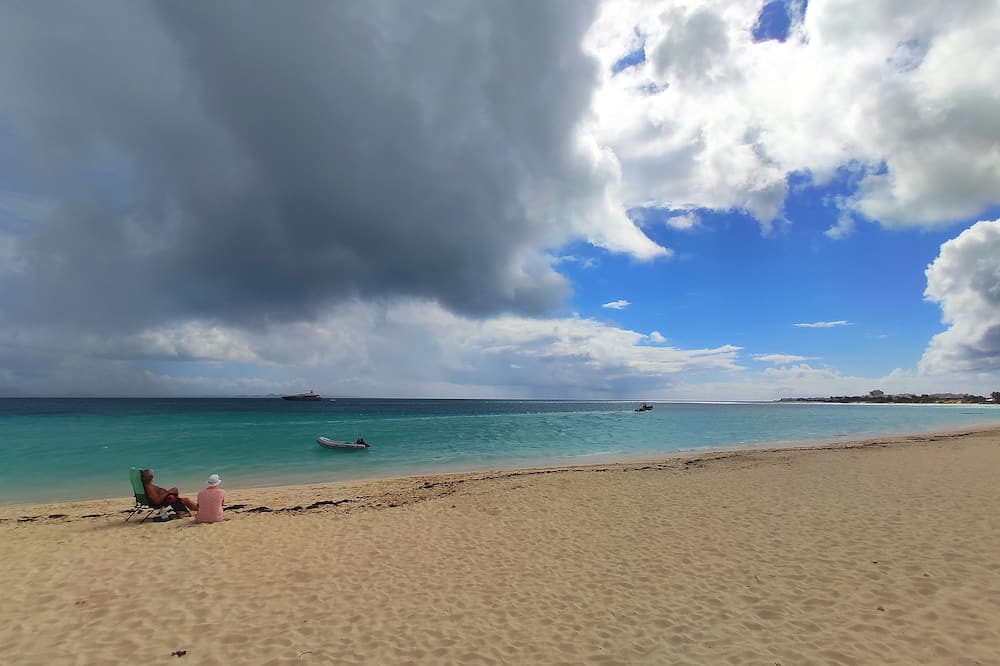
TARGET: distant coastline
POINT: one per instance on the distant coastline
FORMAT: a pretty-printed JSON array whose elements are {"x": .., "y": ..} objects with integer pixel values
[{"x": 879, "y": 397}]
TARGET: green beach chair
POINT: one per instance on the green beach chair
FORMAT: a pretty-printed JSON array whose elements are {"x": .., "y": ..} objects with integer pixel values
[{"x": 142, "y": 502}]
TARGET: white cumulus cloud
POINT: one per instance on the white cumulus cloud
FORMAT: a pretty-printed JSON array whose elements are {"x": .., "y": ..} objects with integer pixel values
[
  {"x": 617, "y": 305},
  {"x": 965, "y": 281},
  {"x": 684, "y": 222},
  {"x": 903, "y": 95}
]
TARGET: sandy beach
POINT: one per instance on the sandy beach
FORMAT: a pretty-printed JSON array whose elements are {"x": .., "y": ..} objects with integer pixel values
[{"x": 877, "y": 552}]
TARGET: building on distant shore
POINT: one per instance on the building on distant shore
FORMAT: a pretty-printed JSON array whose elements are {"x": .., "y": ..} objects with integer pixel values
[{"x": 879, "y": 396}]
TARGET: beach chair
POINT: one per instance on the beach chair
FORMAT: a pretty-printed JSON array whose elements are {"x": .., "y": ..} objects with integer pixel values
[{"x": 142, "y": 502}]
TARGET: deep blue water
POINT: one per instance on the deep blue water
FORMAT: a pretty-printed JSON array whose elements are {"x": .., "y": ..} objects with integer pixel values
[{"x": 65, "y": 448}]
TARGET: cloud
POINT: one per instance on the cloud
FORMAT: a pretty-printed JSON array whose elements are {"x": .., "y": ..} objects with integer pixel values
[
  {"x": 617, "y": 305},
  {"x": 692, "y": 46},
  {"x": 419, "y": 349},
  {"x": 584, "y": 262},
  {"x": 788, "y": 381},
  {"x": 408, "y": 348},
  {"x": 712, "y": 119},
  {"x": 842, "y": 229},
  {"x": 683, "y": 222},
  {"x": 823, "y": 324},
  {"x": 803, "y": 381},
  {"x": 657, "y": 337},
  {"x": 780, "y": 359},
  {"x": 965, "y": 281},
  {"x": 18, "y": 209},
  {"x": 196, "y": 183},
  {"x": 213, "y": 163},
  {"x": 18, "y": 212}
]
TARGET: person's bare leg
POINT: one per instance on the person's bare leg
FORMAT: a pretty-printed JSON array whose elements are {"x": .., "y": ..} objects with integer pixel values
[{"x": 183, "y": 506}]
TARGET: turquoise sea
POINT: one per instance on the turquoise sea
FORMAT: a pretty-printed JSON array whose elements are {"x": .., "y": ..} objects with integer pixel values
[{"x": 65, "y": 448}]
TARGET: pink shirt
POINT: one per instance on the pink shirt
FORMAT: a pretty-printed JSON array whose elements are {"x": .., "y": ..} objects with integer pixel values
[{"x": 210, "y": 501}]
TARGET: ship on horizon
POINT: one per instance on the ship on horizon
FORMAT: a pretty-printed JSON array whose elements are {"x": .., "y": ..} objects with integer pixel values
[{"x": 311, "y": 395}]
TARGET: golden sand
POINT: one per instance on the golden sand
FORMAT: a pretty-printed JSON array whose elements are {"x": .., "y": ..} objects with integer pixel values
[{"x": 873, "y": 553}]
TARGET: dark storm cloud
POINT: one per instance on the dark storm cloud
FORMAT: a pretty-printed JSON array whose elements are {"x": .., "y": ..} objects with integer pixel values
[{"x": 257, "y": 162}]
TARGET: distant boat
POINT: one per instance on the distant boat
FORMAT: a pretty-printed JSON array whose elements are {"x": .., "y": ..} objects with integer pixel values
[
  {"x": 312, "y": 395},
  {"x": 643, "y": 408},
  {"x": 336, "y": 444}
]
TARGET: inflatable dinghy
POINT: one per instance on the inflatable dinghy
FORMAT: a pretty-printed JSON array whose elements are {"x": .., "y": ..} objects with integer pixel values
[{"x": 336, "y": 444}]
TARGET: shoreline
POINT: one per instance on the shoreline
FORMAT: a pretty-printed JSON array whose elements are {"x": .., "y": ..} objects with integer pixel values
[
  {"x": 257, "y": 499},
  {"x": 284, "y": 454},
  {"x": 875, "y": 551}
]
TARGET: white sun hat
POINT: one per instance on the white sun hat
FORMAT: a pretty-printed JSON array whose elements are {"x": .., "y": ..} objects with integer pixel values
[{"x": 214, "y": 480}]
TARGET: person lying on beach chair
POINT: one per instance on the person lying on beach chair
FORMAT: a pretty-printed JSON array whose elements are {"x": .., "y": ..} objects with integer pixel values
[{"x": 163, "y": 497}]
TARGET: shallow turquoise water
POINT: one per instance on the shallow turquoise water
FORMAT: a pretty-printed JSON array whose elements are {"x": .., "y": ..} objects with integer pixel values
[{"x": 59, "y": 449}]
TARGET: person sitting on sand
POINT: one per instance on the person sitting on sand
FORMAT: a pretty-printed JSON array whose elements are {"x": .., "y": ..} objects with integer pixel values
[
  {"x": 163, "y": 497},
  {"x": 210, "y": 501}
]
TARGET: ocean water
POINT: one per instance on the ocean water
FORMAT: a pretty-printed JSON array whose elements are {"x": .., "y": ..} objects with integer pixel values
[{"x": 62, "y": 449}]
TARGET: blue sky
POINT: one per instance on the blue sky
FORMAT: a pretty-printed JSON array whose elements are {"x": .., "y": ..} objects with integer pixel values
[
  {"x": 731, "y": 284},
  {"x": 732, "y": 200}
]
